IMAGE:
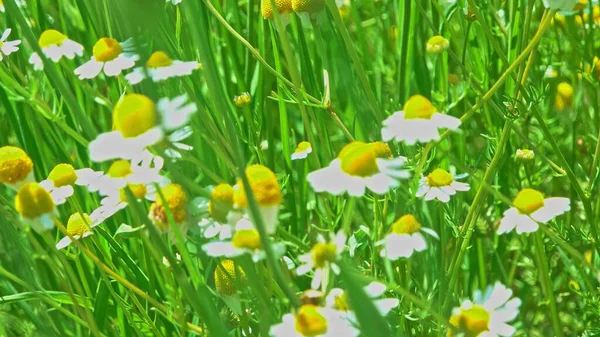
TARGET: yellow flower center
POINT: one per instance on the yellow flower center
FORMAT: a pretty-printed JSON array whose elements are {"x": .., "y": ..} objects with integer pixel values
[
  {"x": 309, "y": 322},
  {"x": 359, "y": 161},
  {"x": 581, "y": 4},
  {"x": 471, "y": 322},
  {"x": 381, "y": 150},
  {"x": 134, "y": 114},
  {"x": 176, "y": 199},
  {"x": 350, "y": 147},
  {"x": 119, "y": 169},
  {"x": 221, "y": 202},
  {"x": 247, "y": 239},
  {"x": 138, "y": 190},
  {"x": 341, "y": 302},
  {"x": 439, "y": 178},
  {"x": 564, "y": 96},
  {"x": 242, "y": 100},
  {"x": 78, "y": 225},
  {"x": 63, "y": 175},
  {"x": 33, "y": 201},
  {"x": 308, "y": 6},
  {"x": 15, "y": 165},
  {"x": 106, "y": 49},
  {"x": 228, "y": 277},
  {"x": 51, "y": 37},
  {"x": 159, "y": 59},
  {"x": 528, "y": 201},
  {"x": 437, "y": 44},
  {"x": 407, "y": 224},
  {"x": 323, "y": 253},
  {"x": 263, "y": 183},
  {"x": 283, "y": 6},
  {"x": 303, "y": 147},
  {"x": 418, "y": 106}
]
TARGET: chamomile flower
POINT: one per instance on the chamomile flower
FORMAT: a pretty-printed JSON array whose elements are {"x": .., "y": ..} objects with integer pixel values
[
  {"x": 284, "y": 7},
  {"x": 36, "y": 206},
  {"x": 338, "y": 299},
  {"x": 524, "y": 155},
  {"x": 314, "y": 321},
  {"x": 161, "y": 67},
  {"x": 245, "y": 240},
  {"x": 229, "y": 278},
  {"x": 109, "y": 55},
  {"x": 266, "y": 192},
  {"x": 2, "y": 9},
  {"x": 16, "y": 168},
  {"x": 562, "y": 5},
  {"x": 242, "y": 100},
  {"x": 440, "y": 185},
  {"x": 302, "y": 151},
  {"x": 322, "y": 258},
  {"x": 405, "y": 238},
  {"x": 174, "y": 197},
  {"x": 530, "y": 207},
  {"x": 418, "y": 122},
  {"x": 80, "y": 225},
  {"x": 564, "y": 96},
  {"x": 360, "y": 166},
  {"x": 218, "y": 206},
  {"x": 62, "y": 178},
  {"x": 7, "y": 47},
  {"x": 308, "y": 6},
  {"x": 55, "y": 45},
  {"x": 487, "y": 316}
]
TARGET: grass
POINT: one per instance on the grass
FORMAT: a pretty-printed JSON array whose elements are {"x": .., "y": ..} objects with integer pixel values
[{"x": 329, "y": 79}]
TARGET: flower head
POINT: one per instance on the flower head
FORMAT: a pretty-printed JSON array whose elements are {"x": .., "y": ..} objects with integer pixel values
[
  {"x": 242, "y": 100},
  {"x": 110, "y": 55},
  {"x": 55, "y": 45},
  {"x": 314, "y": 321},
  {"x": 161, "y": 67},
  {"x": 8, "y": 47},
  {"x": 302, "y": 150},
  {"x": 524, "y": 155},
  {"x": 338, "y": 299},
  {"x": 221, "y": 202},
  {"x": 437, "y": 44},
  {"x": 36, "y": 206},
  {"x": 16, "y": 168},
  {"x": 80, "y": 225},
  {"x": 405, "y": 238},
  {"x": 173, "y": 197},
  {"x": 564, "y": 96},
  {"x": 529, "y": 208},
  {"x": 63, "y": 177},
  {"x": 322, "y": 258},
  {"x": 308, "y": 6},
  {"x": 440, "y": 185},
  {"x": 283, "y": 7},
  {"x": 229, "y": 278}
]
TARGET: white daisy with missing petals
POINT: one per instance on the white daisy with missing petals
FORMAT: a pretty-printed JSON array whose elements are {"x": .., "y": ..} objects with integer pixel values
[
  {"x": 63, "y": 177},
  {"x": 358, "y": 167},
  {"x": 530, "y": 207},
  {"x": 80, "y": 225},
  {"x": 55, "y": 45},
  {"x": 302, "y": 151},
  {"x": 405, "y": 238},
  {"x": 314, "y": 321},
  {"x": 338, "y": 299},
  {"x": 8, "y": 47},
  {"x": 322, "y": 258},
  {"x": 418, "y": 122},
  {"x": 488, "y": 315},
  {"x": 36, "y": 206},
  {"x": 109, "y": 55},
  {"x": 161, "y": 67},
  {"x": 245, "y": 240},
  {"x": 440, "y": 185}
]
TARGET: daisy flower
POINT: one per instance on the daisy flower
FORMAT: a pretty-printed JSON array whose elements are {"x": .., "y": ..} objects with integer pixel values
[
  {"x": 418, "y": 122},
  {"x": 245, "y": 240},
  {"x": 174, "y": 197},
  {"x": 36, "y": 206},
  {"x": 218, "y": 206},
  {"x": 322, "y": 258},
  {"x": 284, "y": 7},
  {"x": 55, "y": 45},
  {"x": 161, "y": 67},
  {"x": 62, "y": 178},
  {"x": 302, "y": 151},
  {"x": 80, "y": 225},
  {"x": 360, "y": 166},
  {"x": 405, "y": 238},
  {"x": 440, "y": 185},
  {"x": 529, "y": 208},
  {"x": 266, "y": 192},
  {"x": 488, "y": 315},
  {"x": 7, "y": 47},
  {"x": 110, "y": 55},
  {"x": 314, "y": 321},
  {"x": 338, "y": 299},
  {"x": 229, "y": 278},
  {"x": 16, "y": 168}
]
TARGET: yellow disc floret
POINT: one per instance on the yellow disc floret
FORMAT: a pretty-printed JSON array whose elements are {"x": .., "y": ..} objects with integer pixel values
[
  {"x": 342, "y": 302},
  {"x": 134, "y": 114},
  {"x": 119, "y": 169},
  {"x": 106, "y": 49},
  {"x": 33, "y": 201},
  {"x": 263, "y": 183},
  {"x": 176, "y": 199},
  {"x": 138, "y": 190},
  {"x": 15, "y": 165},
  {"x": 437, "y": 44},
  {"x": 303, "y": 147},
  {"x": 246, "y": 239},
  {"x": 439, "y": 178},
  {"x": 63, "y": 175},
  {"x": 159, "y": 59},
  {"x": 221, "y": 202},
  {"x": 308, "y": 6},
  {"x": 350, "y": 147},
  {"x": 359, "y": 161},
  {"x": 51, "y": 37},
  {"x": 528, "y": 200},
  {"x": 418, "y": 106},
  {"x": 564, "y": 96},
  {"x": 283, "y": 6},
  {"x": 470, "y": 322},
  {"x": 381, "y": 150},
  {"x": 78, "y": 225},
  {"x": 323, "y": 253},
  {"x": 228, "y": 278},
  {"x": 407, "y": 224},
  {"x": 310, "y": 322}
]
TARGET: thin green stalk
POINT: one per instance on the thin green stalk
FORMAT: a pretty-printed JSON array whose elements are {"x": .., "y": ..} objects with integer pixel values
[{"x": 544, "y": 275}]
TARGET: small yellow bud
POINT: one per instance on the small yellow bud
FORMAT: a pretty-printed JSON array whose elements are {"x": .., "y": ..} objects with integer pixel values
[{"x": 242, "y": 100}]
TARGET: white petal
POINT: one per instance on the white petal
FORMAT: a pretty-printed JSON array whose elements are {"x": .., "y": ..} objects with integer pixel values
[
  {"x": 552, "y": 208},
  {"x": 90, "y": 69}
]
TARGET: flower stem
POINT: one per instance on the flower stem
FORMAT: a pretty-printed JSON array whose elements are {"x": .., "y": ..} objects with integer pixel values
[{"x": 544, "y": 275}]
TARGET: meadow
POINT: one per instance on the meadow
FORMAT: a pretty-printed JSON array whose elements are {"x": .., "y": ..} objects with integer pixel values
[{"x": 299, "y": 168}]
